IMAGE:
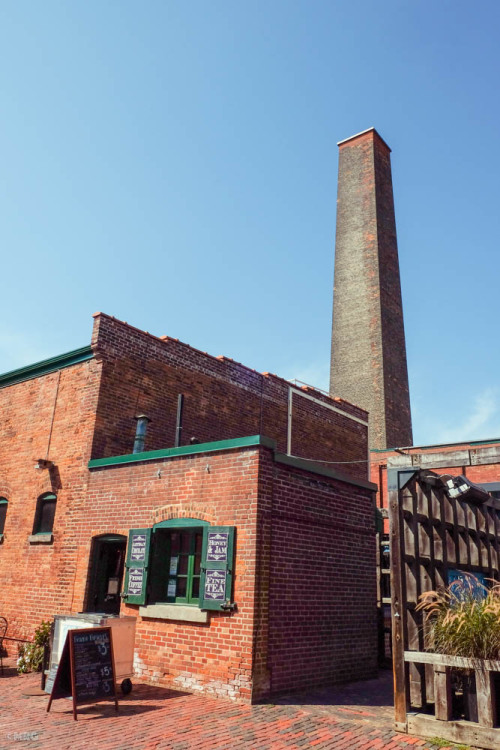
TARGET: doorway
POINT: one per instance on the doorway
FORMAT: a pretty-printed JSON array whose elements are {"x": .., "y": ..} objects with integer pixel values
[{"x": 107, "y": 559}]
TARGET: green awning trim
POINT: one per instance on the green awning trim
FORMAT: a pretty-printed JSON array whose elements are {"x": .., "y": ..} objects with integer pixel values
[
  {"x": 184, "y": 450},
  {"x": 46, "y": 366}
]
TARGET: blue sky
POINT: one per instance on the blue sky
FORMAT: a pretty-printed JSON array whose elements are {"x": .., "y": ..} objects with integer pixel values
[{"x": 175, "y": 164}]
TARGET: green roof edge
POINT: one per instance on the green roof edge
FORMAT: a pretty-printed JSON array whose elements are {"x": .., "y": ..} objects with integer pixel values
[
  {"x": 46, "y": 366},
  {"x": 225, "y": 445},
  {"x": 184, "y": 450}
]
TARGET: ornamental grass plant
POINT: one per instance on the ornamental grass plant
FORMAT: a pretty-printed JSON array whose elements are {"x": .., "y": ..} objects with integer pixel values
[{"x": 463, "y": 619}]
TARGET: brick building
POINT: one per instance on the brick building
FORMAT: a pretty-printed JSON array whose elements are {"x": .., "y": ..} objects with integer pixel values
[{"x": 194, "y": 486}]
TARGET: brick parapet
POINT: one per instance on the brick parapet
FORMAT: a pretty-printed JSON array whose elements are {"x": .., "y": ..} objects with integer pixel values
[{"x": 222, "y": 400}]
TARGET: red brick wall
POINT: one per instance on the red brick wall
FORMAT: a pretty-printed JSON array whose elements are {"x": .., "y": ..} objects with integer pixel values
[
  {"x": 58, "y": 408},
  {"x": 323, "y": 582},
  {"x": 222, "y": 400},
  {"x": 290, "y": 526},
  {"x": 215, "y": 657},
  {"x": 87, "y": 410}
]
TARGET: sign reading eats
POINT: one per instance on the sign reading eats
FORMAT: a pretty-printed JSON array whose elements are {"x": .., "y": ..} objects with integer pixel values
[{"x": 217, "y": 546}]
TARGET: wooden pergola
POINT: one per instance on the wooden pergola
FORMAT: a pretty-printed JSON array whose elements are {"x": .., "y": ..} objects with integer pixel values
[{"x": 439, "y": 525}]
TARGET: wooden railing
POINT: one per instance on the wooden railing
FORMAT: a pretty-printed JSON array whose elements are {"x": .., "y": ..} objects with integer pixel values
[{"x": 485, "y": 692}]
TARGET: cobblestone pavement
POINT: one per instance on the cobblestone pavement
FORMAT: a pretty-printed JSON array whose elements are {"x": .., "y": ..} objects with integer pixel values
[{"x": 354, "y": 717}]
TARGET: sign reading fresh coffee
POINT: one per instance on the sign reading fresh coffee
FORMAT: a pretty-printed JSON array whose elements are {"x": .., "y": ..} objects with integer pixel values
[
  {"x": 217, "y": 544},
  {"x": 215, "y": 585}
]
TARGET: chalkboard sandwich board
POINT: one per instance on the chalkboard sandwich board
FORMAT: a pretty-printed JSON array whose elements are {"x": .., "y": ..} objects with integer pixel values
[{"x": 86, "y": 671}]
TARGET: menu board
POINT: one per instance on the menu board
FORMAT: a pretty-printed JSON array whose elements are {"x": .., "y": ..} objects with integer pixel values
[
  {"x": 93, "y": 665},
  {"x": 86, "y": 669}
]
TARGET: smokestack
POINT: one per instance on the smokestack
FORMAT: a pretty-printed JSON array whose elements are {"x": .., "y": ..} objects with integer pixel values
[{"x": 368, "y": 363}]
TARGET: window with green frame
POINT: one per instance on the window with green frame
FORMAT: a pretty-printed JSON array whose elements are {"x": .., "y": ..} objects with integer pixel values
[
  {"x": 176, "y": 569},
  {"x": 45, "y": 513},
  {"x": 180, "y": 561}
]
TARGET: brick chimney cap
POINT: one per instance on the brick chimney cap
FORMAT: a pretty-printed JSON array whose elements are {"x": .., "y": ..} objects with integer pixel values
[{"x": 364, "y": 132}]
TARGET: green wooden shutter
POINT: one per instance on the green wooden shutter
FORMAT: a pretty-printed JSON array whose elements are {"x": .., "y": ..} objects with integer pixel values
[
  {"x": 217, "y": 567},
  {"x": 137, "y": 565}
]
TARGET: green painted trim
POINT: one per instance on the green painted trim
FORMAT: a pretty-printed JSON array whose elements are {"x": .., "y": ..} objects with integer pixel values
[
  {"x": 180, "y": 523},
  {"x": 184, "y": 450},
  {"x": 302, "y": 463},
  {"x": 46, "y": 366}
]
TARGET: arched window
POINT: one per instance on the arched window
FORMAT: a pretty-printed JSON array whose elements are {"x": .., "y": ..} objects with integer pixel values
[
  {"x": 3, "y": 512},
  {"x": 45, "y": 512}
]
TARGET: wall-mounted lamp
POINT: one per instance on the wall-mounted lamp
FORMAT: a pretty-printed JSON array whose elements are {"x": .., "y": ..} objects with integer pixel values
[
  {"x": 140, "y": 432},
  {"x": 42, "y": 463}
]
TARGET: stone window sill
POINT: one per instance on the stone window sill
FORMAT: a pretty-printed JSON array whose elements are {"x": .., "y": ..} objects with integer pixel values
[
  {"x": 174, "y": 612},
  {"x": 41, "y": 538}
]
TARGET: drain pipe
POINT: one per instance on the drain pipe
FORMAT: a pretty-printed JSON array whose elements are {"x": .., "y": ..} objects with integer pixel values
[{"x": 178, "y": 423}]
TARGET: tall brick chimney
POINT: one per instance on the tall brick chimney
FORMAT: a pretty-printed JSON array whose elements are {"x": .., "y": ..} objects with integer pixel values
[{"x": 368, "y": 364}]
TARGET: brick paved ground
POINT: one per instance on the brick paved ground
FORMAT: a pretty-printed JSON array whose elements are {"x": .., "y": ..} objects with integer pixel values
[{"x": 356, "y": 717}]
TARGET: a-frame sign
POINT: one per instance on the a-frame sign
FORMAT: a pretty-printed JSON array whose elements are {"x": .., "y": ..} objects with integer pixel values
[{"x": 86, "y": 670}]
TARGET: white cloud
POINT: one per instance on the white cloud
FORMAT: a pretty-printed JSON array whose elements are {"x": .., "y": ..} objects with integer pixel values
[{"x": 476, "y": 420}]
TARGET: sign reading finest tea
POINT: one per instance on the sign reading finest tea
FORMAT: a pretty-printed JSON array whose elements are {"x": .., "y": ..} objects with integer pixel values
[
  {"x": 86, "y": 669},
  {"x": 138, "y": 551},
  {"x": 215, "y": 585},
  {"x": 135, "y": 581},
  {"x": 217, "y": 546}
]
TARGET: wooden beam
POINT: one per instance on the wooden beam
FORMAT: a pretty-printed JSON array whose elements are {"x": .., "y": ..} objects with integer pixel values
[
  {"x": 442, "y": 692},
  {"x": 486, "y": 709},
  {"x": 459, "y": 732},
  {"x": 446, "y": 660}
]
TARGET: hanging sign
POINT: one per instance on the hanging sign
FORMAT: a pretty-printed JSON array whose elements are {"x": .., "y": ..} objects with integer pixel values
[
  {"x": 217, "y": 544},
  {"x": 86, "y": 669},
  {"x": 135, "y": 581},
  {"x": 215, "y": 585},
  {"x": 138, "y": 551}
]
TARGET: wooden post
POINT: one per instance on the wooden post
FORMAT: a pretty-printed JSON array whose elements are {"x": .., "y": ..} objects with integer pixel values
[
  {"x": 486, "y": 709},
  {"x": 442, "y": 692},
  {"x": 398, "y": 601}
]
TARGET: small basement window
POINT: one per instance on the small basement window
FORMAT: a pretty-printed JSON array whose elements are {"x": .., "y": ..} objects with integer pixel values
[{"x": 45, "y": 513}]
